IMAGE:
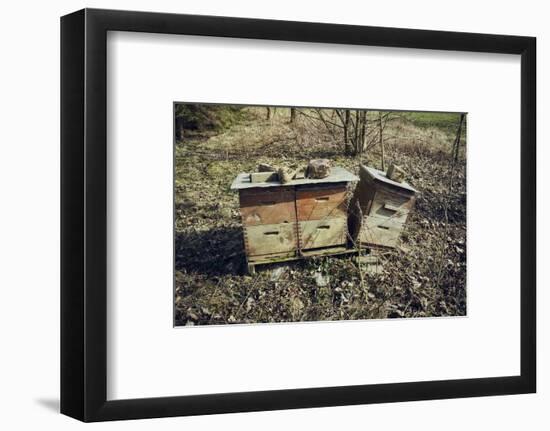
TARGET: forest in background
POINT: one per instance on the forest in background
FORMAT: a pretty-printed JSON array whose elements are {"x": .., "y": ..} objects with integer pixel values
[{"x": 424, "y": 277}]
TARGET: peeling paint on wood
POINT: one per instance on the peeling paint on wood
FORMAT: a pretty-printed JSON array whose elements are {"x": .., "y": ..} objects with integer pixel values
[
  {"x": 267, "y": 206},
  {"x": 320, "y": 202},
  {"x": 291, "y": 221},
  {"x": 379, "y": 209},
  {"x": 381, "y": 231},
  {"x": 322, "y": 233},
  {"x": 270, "y": 238}
]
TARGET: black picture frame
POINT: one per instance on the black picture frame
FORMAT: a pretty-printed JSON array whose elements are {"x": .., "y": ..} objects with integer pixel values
[{"x": 84, "y": 214}]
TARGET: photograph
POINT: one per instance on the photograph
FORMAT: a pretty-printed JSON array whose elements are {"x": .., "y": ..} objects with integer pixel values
[
  {"x": 304, "y": 214},
  {"x": 252, "y": 216}
]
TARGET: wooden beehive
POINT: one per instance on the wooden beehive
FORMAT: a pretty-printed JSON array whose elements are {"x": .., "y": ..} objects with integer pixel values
[
  {"x": 304, "y": 217},
  {"x": 379, "y": 209}
]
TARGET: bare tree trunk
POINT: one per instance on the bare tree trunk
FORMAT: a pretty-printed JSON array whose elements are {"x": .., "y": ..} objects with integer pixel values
[
  {"x": 363, "y": 131},
  {"x": 292, "y": 115},
  {"x": 268, "y": 114},
  {"x": 346, "y": 130},
  {"x": 456, "y": 144},
  {"x": 356, "y": 142},
  {"x": 381, "y": 141}
]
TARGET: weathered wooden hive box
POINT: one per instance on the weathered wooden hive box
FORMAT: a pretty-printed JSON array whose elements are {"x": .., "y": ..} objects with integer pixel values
[
  {"x": 298, "y": 219},
  {"x": 379, "y": 209}
]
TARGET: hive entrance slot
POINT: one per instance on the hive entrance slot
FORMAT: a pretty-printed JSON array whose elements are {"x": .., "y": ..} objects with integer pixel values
[{"x": 391, "y": 207}]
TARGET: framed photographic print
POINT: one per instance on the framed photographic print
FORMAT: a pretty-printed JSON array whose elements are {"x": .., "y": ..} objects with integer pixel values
[{"x": 262, "y": 215}]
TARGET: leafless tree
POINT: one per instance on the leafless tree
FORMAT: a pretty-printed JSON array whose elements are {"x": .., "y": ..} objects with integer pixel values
[
  {"x": 360, "y": 130},
  {"x": 354, "y": 125},
  {"x": 346, "y": 123}
]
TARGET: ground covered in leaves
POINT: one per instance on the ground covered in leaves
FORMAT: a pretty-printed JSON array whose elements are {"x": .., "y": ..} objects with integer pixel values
[{"x": 424, "y": 277}]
